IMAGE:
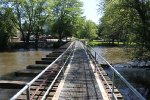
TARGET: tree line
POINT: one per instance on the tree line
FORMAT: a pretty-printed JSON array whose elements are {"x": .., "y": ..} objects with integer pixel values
[
  {"x": 60, "y": 18},
  {"x": 127, "y": 21}
]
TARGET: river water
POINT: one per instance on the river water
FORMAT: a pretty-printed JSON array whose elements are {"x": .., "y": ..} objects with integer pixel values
[
  {"x": 19, "y": 59},
  {"x": 138, "y": 77}
]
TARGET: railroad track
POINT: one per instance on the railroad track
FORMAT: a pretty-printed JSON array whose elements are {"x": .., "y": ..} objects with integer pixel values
[
  {"x": 80, "y": 82},
  {"x": 106, "y": 81},
  {"x": 45, "y": 73},
  {"x": 72, "y": 73},
  {"x": 39, "y": 87}
]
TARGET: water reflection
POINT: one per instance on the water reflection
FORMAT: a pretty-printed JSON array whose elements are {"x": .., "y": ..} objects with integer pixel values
[
  {"x": 114, "y": 55},
  {"x": 12, "y": 61}
]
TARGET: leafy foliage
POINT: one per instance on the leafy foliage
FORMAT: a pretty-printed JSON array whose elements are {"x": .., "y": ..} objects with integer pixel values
[
  {"x": 30, "y": 16},
  {"x": 127, "y": 21},
  {"x": 6, "y": 27},
  {"x": 60, "y": 18},
  {"x": 90, "y": 30},
  {"x": 65, "y": 14}
]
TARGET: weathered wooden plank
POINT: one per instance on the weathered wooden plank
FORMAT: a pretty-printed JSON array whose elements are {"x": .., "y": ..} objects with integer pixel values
[
  {"x": 36, "y": 97},
  {"x": 103, "y": 73},
  {"x": 42, "y": 88},
  {"x": 37, "y": 66},
  {"x": 109, "y": 82},
  {"x": 118, "y": 95},
  {"x": 49, "y": 58},
  {"x": 104, "y": 65},
  {"x": 53, "y": 55},
  {"x": 106, "y": 78},
  {"x": 115, "y": 91},
  {"x": 43, "y": 62},
  {"x": 58, "y": 51},
  {"x": 6, "y": 84},
  {"x": 27, "y": 73}
]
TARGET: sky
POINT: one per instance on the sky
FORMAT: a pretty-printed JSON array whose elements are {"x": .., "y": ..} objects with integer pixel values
[{"x": 90, "y": 8}]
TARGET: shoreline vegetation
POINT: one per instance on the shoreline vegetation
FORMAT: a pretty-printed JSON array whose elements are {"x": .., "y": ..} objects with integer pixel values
[
  {"x": 41, "y": 45},
  {"x": 105, "y": 43}
]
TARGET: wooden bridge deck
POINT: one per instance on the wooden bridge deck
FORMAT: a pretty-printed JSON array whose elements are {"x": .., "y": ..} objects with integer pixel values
[{"x": 79, "y": 81}]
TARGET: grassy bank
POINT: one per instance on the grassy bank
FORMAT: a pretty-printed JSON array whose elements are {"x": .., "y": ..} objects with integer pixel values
[
  {"x": 102, "y": 43},
  {"x": 41, "y": 45}
]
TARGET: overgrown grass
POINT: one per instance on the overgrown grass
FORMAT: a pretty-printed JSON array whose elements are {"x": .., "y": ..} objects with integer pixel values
[
  {"x": 95, "y": 43},
  {"x": 101, "y": 43}
]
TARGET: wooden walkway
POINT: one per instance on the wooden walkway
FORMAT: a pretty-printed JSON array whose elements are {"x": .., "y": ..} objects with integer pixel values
[{"x": 80, "y": 82}]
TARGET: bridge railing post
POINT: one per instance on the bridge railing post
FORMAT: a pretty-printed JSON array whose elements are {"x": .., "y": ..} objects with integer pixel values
[
  {"x": 95, "y": 61},
  {"x": 72, "y": 47},
  {"x": 28, "y": 92},
  {"x": 95, "y": 56},
  {"x": 63, "y": 70},
  {"x": 113, "y": 84}
]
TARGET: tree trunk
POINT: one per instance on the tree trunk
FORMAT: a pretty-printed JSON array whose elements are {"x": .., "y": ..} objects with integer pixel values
[
  {"x": 118, "y": 42},
  {"x": 113, "y": 40},
  {"x": 66, "y": 38},
  {"x": 28, "y": 39},
  {"x": 36, "y": 40},
  {"x": 60, "y": 36}
]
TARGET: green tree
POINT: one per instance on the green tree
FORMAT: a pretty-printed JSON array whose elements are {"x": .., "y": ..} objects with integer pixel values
[
  {"x": 85, "y": 29},
  {"x": 65, "y": 13},
  {"x": 90, "y": 30},
  {"x": 80, "y": 23},
  {"x": 142, "y": 9},
  {"x": 127, "y": 21},
  {"x": 6, "y": 26},
  {"x": 30, "y": 16}
]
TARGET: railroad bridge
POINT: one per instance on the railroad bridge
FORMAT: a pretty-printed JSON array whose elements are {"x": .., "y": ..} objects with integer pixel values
[{"x": 71, "y": 72}]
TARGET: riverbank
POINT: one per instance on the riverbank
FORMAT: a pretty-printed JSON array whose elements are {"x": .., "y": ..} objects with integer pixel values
[
  {"x": 103, "y": 43},
  {"x": 12, "y": 46}
]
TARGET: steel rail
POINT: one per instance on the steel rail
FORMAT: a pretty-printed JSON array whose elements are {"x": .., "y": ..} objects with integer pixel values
[
  {"x": 39, "y": 75},
  {"x": 85, "y": 49},
  {"x": 50, "y": 87},
  {"x": 94, "y": 59},
  {"x": 103, "y": 76},
  {"x": 120, "y": 76},
  {"x": 38, "y": 88}
]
